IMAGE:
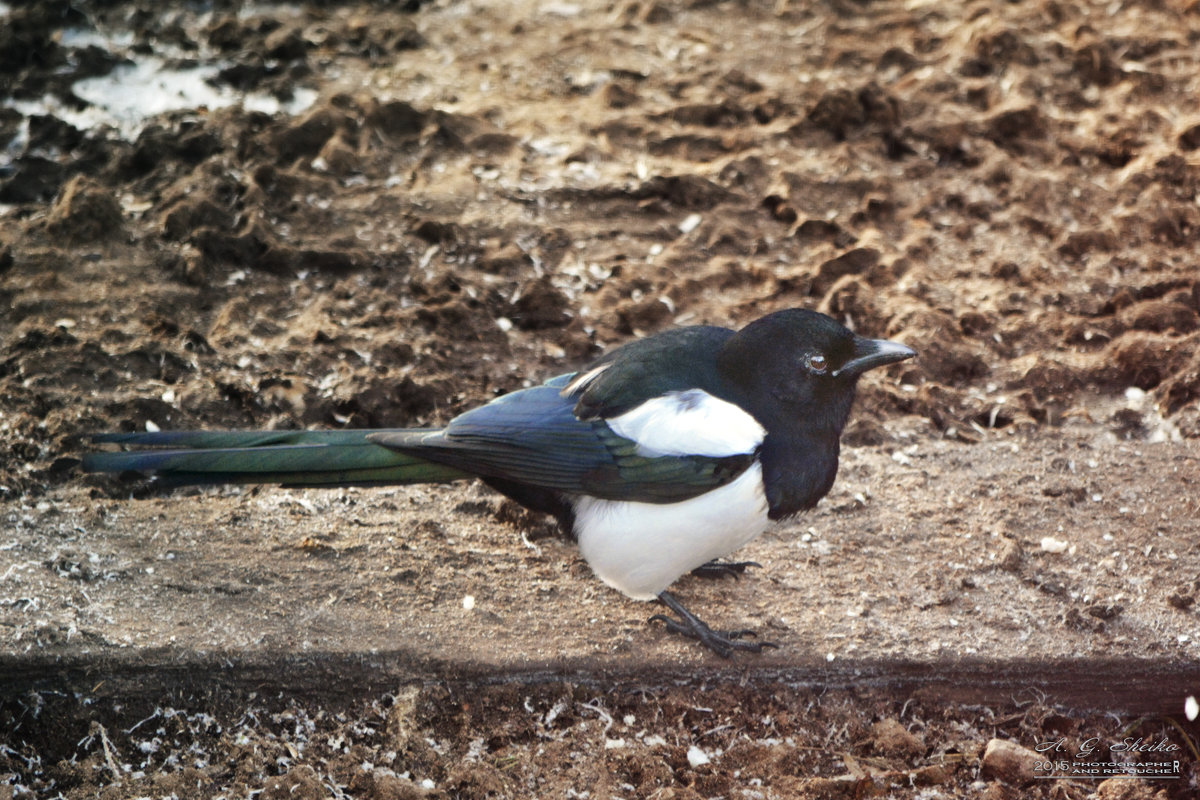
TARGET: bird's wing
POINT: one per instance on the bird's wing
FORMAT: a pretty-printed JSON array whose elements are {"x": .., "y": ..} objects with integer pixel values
[
  {"x": 673, "y": 361},
  {"x": 533, "y": 437}
]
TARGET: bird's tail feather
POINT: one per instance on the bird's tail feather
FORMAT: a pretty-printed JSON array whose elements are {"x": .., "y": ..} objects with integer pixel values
[{"x": 289, "y": 458}]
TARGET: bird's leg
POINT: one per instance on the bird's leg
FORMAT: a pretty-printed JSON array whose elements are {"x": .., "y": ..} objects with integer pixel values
[
  {"x": 723, "y": 643},
  {"x": 724, "y": 569}
]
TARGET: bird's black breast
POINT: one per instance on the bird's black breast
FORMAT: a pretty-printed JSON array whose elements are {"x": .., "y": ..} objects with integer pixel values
[{"x": 797, "y": 471}]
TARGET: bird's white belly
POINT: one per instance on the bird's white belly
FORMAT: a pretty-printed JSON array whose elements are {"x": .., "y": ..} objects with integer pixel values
[{"x": 641, "y": 548}]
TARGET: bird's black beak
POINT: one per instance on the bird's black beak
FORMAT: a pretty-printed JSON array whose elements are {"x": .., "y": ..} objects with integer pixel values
[{"x": 872, "y": 353}]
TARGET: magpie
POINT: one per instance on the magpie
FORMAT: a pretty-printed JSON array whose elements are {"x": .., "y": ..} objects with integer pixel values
[{"x": 659, "y": 458}]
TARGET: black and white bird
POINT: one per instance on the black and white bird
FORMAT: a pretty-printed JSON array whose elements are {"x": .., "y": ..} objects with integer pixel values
[{"x": 664, "y": 455}]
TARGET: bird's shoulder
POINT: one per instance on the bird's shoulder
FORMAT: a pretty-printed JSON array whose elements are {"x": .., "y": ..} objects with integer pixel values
[{"x": 678, "y": 360}]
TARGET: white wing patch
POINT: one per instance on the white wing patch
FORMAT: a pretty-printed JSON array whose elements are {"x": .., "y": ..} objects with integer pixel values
[{"x": 689, "y": 423}]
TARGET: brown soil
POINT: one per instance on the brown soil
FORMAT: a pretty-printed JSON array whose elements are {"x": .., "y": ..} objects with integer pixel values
[{"x": 483, "y": 195}]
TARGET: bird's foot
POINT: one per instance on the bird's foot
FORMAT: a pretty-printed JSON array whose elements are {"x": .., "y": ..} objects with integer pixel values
[
  {"x": 724, "y": 569},
  {"x": 723, "y": 643}
]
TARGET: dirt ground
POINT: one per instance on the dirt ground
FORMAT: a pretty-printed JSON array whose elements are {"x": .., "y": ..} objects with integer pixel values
[{"x": 382, "y": 215}]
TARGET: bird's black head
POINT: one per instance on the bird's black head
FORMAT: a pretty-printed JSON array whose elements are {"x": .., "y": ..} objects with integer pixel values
[{"x": 801, "y": 367}]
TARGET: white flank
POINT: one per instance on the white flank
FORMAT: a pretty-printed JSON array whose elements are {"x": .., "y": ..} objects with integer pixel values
[
  {"x": 641, "y": 548},
  {"x": 691, "y": 423}
]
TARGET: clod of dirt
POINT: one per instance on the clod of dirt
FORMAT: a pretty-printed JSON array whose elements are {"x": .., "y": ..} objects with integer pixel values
[
  {"x": 305, "y": 138},
  {"x": 84, "y": 212},
  {"x": 1189, "y": 140},
  {"x": 642, "y": 316},
  {"x": 818, "y": 230},
  {"x": 1128, "y": 423},
  {"x": 1144, "y": 359},
  {"x": 192, "y": 213},
  {"x": 852, "y": 302},
  {"x": 685, "y": 191},
  {"x": 865, "y": 432},
  {"x": 395, "y": 37},
  {"x": 614, "y": 95},
  {"x": 286, "y": 44},
  {"x": 842, "y": 111},
  {"x": 1083, "y": 243},
  {"x": 158, "y": 145},
  {"x": 505, "y": 260},
  {"x": 1008, "y": 761},
  {"x": 1016, "y": 129},
  {"x": 338, "y": 157},
  {"x": 946, "y": 355},
  {"x": 890, "y": 738},
  {"x": 243, "y": 248},
  {"x": 1105, "y": 611},
  {"x": 1011, "y": 556},
  {"x": 541, "y": 305},
  {"x": 396, "y": 120},
  {"x": 283, "y": 259},
  {"x": 1128, "y": 789},
  {"x": 1181, "y": 389},
  {"x": 1184, "y": 596},
  {"x": 383, "y": 784},
  {"x": 853, "y": 262},
  {"x": 299, "y": 783},
  {"x": 1159, "y": 316}
]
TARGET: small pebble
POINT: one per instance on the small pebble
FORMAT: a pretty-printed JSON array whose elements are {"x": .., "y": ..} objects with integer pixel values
[
  {"x": 697, "y": 757},
  {"x": 1053, "y": 545}
]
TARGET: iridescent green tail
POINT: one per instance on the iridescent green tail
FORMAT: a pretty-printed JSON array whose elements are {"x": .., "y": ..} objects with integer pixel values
[{"x": 288, "y": 458}]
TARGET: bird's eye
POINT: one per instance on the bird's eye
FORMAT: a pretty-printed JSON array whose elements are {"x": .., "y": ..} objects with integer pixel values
[{"x": 817, "y": 363}]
